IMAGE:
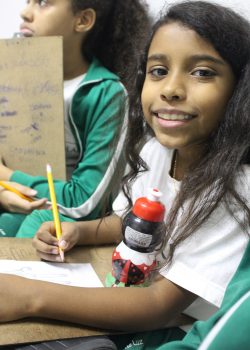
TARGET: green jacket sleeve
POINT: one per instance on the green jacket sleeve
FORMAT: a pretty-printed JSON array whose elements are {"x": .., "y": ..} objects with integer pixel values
[{"x": 100, "y": 115}]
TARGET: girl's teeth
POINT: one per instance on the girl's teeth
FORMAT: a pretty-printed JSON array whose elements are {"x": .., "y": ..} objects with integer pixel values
[{"x": 174, "y": 116}]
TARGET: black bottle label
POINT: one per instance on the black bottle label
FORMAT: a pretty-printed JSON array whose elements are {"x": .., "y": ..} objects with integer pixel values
[
  {"x": 137, "y": 238},
  {"x": 141, "y": 235}
]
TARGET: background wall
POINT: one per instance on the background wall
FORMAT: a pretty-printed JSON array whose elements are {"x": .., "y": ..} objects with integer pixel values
[
  {"x": 241, "y": 6},
  {"x": 10, "y": 9}
]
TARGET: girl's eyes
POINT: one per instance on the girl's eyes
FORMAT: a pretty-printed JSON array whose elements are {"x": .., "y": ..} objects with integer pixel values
[
  {"x": 161, "y": 72},
  {"x": 157, "y": 72},
  {"x": 204, "y": 73},
  {"x": 42, "y": 3}
]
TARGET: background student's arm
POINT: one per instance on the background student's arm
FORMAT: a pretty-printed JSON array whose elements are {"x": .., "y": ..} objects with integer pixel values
[
  {"x": 95, "y": 232},
  {"x": 98, "y": 133},
  {"x": 5, "y": 172},
  {"x": 127, "y": 309}
]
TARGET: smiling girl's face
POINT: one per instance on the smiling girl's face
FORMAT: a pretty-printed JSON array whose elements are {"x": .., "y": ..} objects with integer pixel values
[{"x": 186, "y": 89}]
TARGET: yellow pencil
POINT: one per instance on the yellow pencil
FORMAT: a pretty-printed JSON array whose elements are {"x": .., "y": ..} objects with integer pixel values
[
  {"x": 12, "y": 189},
  {"x": 54, "y": 207}
]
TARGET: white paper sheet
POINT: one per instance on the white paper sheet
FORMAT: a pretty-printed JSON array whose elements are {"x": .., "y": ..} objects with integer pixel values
[{"x": 80, "y": 275}]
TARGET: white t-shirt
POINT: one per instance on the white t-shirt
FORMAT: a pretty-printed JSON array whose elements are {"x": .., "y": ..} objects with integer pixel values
[
  {"x": 71, "y": 148},
  {"x": 205, "y": 262}
]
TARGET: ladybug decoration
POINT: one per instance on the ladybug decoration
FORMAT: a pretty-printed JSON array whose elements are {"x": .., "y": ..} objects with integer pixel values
[{"x": 130, "y": 268}]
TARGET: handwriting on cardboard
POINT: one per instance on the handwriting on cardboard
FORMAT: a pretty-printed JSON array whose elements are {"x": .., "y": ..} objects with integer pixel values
[{"x": 31, "y": 104}]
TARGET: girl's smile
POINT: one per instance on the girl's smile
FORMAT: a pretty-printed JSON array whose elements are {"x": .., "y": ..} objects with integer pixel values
[
  {"x": 186, "y": 89},
  {"x": 171, "y": 118}
]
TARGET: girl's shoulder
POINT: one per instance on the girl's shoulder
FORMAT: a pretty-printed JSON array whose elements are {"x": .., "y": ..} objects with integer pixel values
[
  {"x": 99, "y": 84},
  {"x": 153, "y": 152},
  {"x": 243, "y": 181},
  {"x": 244, "y": 173},
  {"x": 246, "y": 170},
  {"x": 97, "y": 71}
]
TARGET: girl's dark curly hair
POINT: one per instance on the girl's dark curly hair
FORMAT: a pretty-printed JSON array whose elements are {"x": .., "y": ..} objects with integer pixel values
[
  {"x": 118, "y": 34},
  {"x": 212, "y": 180}
]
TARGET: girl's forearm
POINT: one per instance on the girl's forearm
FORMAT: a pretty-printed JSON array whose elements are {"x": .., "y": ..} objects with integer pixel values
[
  {"x": 104, "y": 308},
  {"x": 124, "y": 309},
  {"x": 101, "y": 231}
]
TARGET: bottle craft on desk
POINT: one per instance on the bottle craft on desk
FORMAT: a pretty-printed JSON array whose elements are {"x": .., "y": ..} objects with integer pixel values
[{"x": 143, "y": 230}]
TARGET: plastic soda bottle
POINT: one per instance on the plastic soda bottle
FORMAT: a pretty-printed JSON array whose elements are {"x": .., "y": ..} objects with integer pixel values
[{"x": 143, "y": 229}]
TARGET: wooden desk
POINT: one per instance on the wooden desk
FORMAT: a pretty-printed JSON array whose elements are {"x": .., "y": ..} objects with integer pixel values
[{"x": 35, "y": 330}]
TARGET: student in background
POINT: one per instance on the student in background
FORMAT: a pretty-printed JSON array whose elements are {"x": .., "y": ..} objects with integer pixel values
[
  {"x": 192, "y": 96},
  {"x": 101, "y": 40}
]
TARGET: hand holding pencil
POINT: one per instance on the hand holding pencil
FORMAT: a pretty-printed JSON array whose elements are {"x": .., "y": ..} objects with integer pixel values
[
  {"x": 11, "y": 188},
  {"x": 46, "y": 243},
  {"x": 17, "y": 198},
  {"x": 54, "y": 208}
]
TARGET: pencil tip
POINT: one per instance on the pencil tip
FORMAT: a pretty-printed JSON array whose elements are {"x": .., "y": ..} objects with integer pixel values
[{"x": 61, "y": 254}]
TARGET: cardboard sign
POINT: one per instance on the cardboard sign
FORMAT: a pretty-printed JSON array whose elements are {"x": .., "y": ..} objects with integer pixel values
[{"x": 31, "y": 105}]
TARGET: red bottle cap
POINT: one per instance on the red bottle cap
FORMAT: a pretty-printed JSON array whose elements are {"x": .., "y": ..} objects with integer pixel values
[{"x": 150, "y": 208}]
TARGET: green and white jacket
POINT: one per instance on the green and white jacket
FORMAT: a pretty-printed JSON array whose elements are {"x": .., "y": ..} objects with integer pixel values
[{"x": 98, "y": 121}]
